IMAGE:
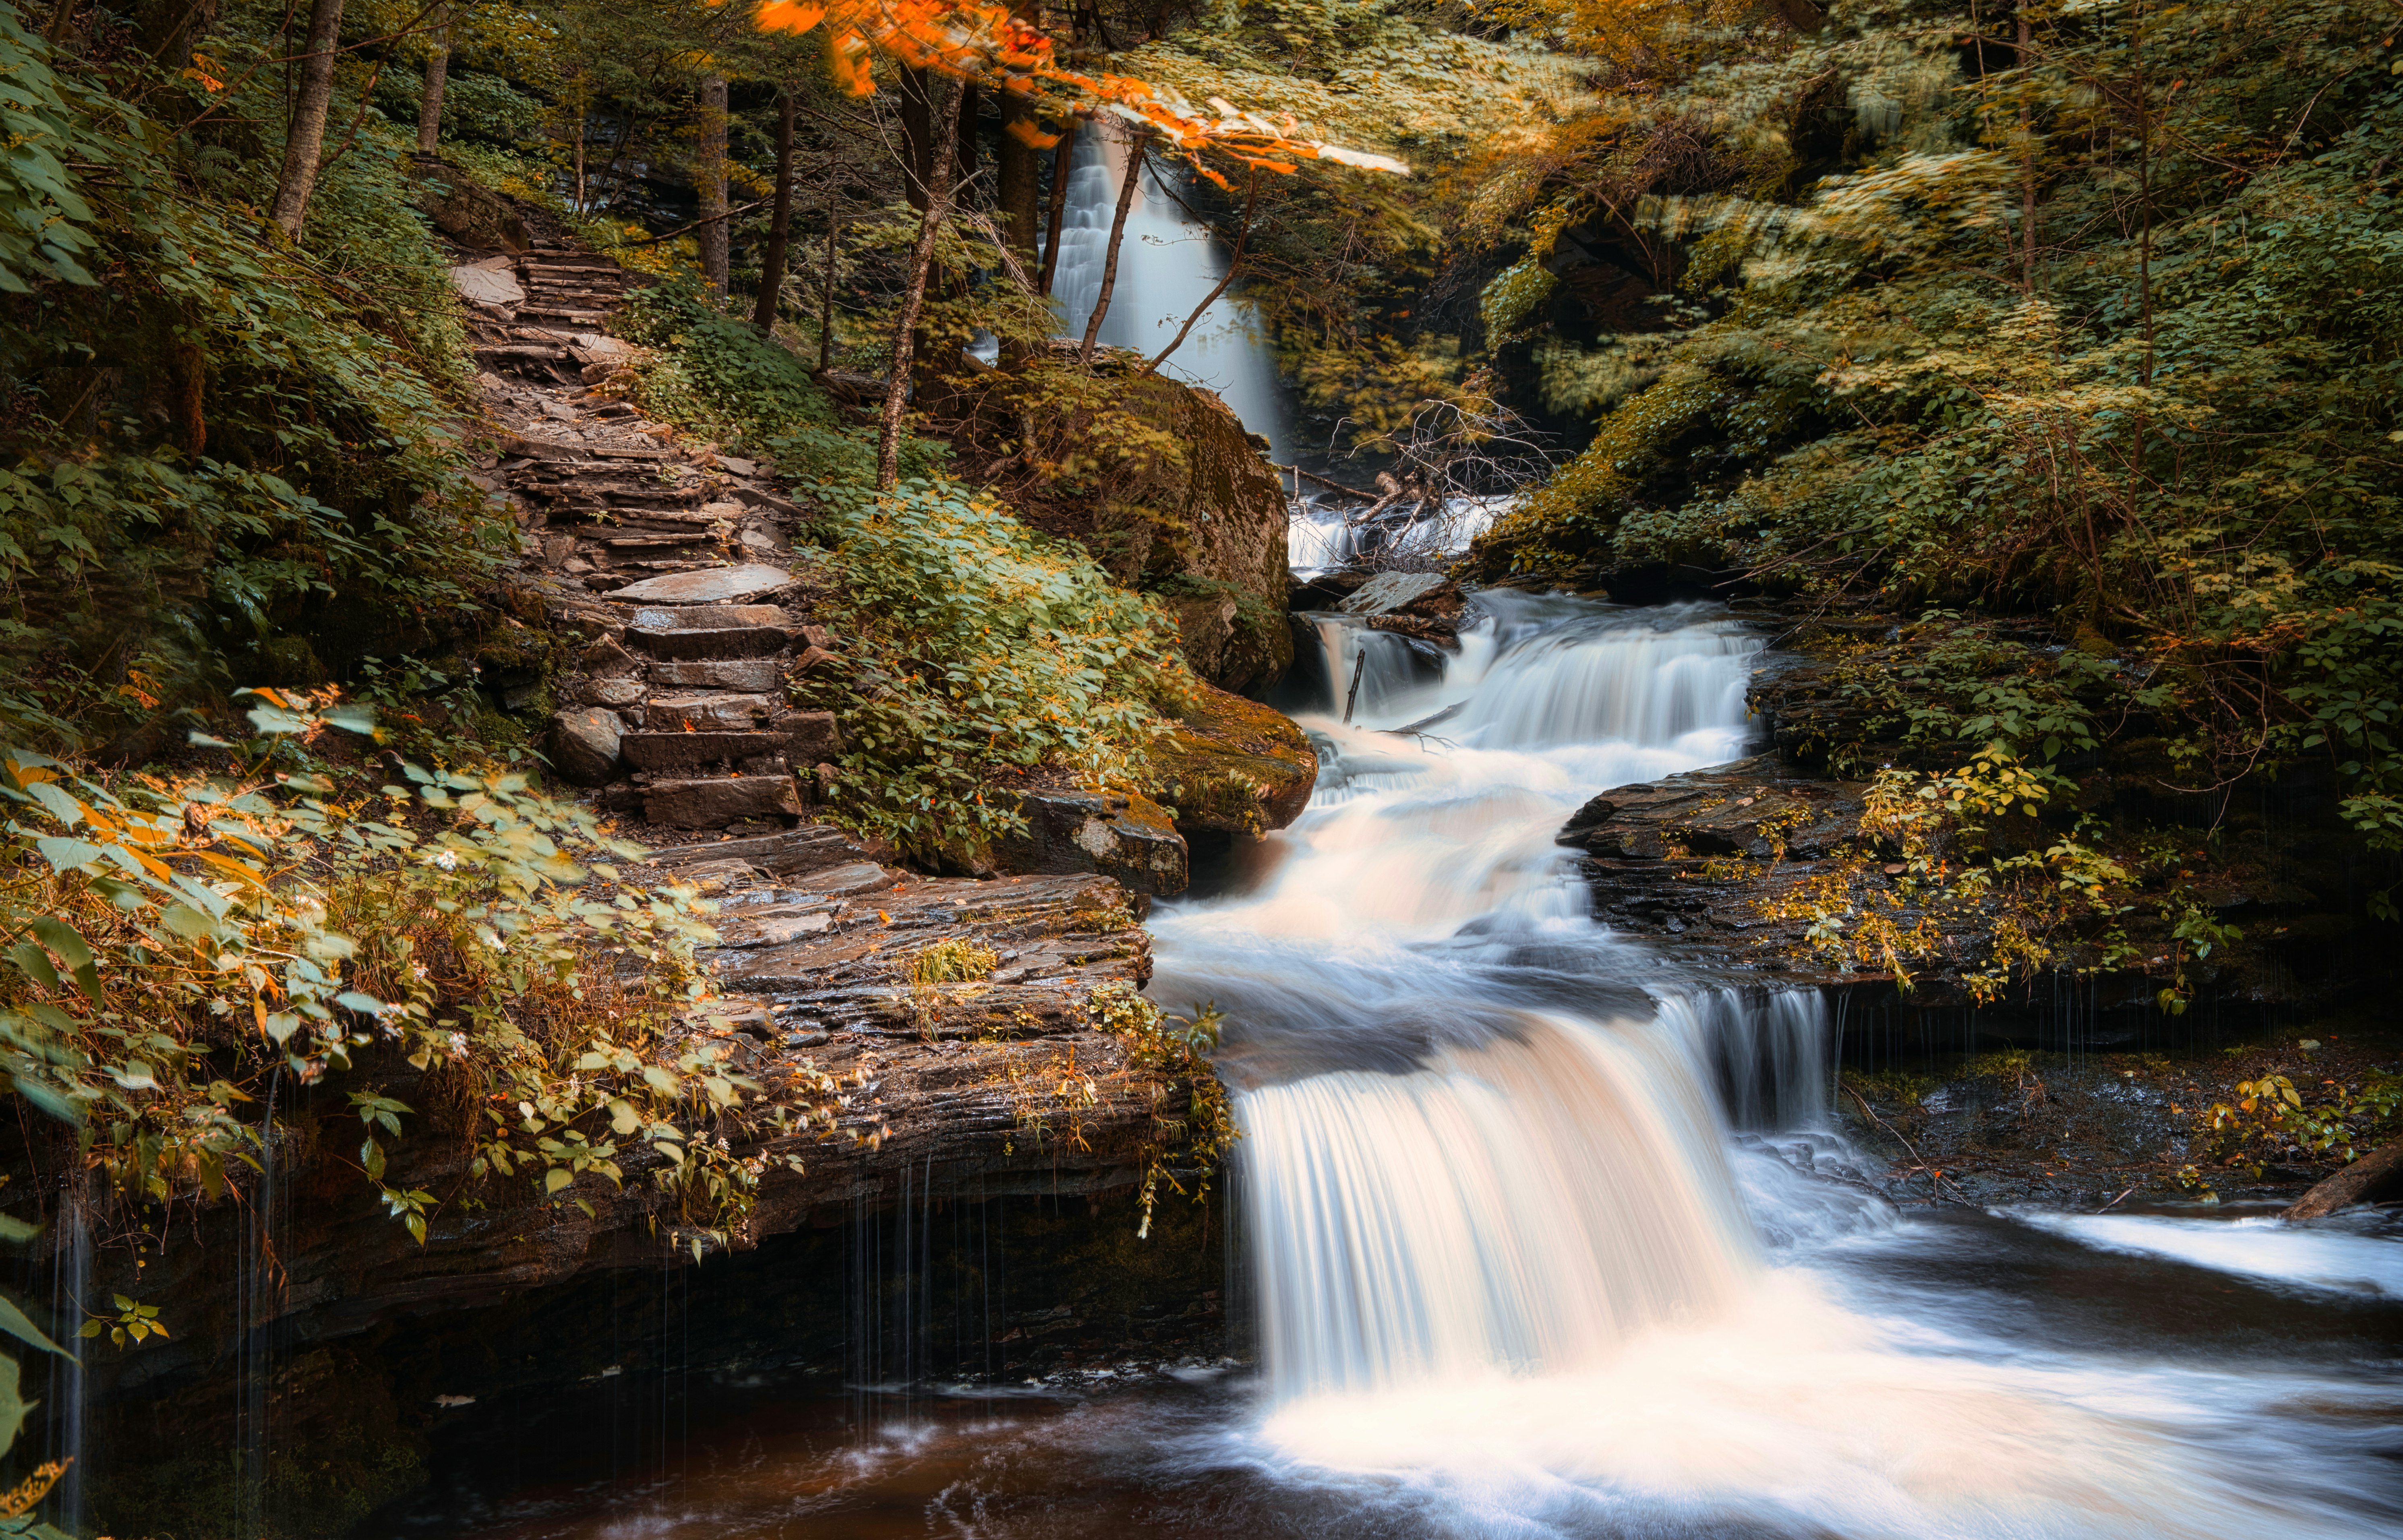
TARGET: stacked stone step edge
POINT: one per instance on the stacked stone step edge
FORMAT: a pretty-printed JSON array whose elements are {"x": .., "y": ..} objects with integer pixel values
[{"x": 677, "y": 567}]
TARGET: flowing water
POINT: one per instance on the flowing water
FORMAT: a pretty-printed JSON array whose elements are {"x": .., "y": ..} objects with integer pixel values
[
  {"x": 1168, "y": 264},
  {"x": 1548, "y": 1241}
]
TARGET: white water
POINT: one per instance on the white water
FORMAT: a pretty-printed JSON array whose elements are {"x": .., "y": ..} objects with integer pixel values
[
  {"x": 2321, "y": 1257},
  {"x": 1536, "y": 1225},
  {"x": 1168, "y": 264}
]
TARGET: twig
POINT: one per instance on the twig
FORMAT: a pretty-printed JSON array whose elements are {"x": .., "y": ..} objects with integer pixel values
[
  {"x": 2114, "y": 1203},
  {"x": 682, "y": 229},
  {"x": 1934, "y": 1177}
]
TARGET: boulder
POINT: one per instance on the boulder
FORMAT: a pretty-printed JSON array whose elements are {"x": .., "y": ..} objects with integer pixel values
[
  {"x": 583, "y": 744},
  {"x": 1233, "y": 765},
  {"x": 716, "y": 803},
  {"x": 1132, "y": 839},
  {"x": 466, "y": 211}
]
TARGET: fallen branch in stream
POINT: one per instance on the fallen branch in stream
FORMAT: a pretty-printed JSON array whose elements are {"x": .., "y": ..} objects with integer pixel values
[{"x": 1935, "y": 1178}]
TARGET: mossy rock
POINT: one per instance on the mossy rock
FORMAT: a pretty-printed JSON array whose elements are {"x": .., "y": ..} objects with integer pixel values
[{"x": 1233, "y": 765}]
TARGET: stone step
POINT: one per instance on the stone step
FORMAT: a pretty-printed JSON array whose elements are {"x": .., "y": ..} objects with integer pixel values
[
  {"x": 689, "y": 616},
  {"x": 685, "y": 753},
  {"x": 812, "y": 847},
  {"x": 717, "y": 711},
  {"x": 731, "y": 585},
  {"x": 732, "y": 673},
  {"x": 543, "y": 313},
  {"x": 712, "y": 802},
  {"x": 520, "y": 353},
  {"x": 710, "y": 643}
]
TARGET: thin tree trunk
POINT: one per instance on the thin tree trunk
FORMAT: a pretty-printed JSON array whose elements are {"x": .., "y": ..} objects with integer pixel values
[
  {"x": 2027, "y": 159},
  {"x": 438, "y": 75},
  {"x": 905, "y": 326},
  {"x": 306, "y": 136},
  {"x": 825, "y": 313},
  {"x": 583, "y": 117},
  {"x": 780, "y": 226},
  {"x": 1062, "y": 161},
  {"x": 968, "y": 125},
  {"x": 1016, "y": 170},
  {"x": 917, "y": 135},
  {"x": 1110, "y": 256},
  {"x": 716, "y": 243},
  {"x": 1243, "y": 234}
]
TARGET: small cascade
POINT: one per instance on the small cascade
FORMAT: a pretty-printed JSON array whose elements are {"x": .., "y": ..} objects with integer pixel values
[
  {"x": 1527, "y": 1204},
  {"x": 1168, "y": 264},
  {"x": 1769, "y": 1054}
]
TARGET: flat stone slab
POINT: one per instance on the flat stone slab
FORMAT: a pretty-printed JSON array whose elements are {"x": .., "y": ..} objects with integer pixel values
[
  {"x": 707, "y": 617},
  {"x": 1390, "y": 591},
  {"x": 706, "y": 643},
  {"x": 713, "y": 804},
  {"x": 737, "y": 712},
  {"x": 812, "y": 847},
  {"x": 486, "y": 286},
  {"x": 709, "y": 586},
  {"x": 760, "y": 675}
]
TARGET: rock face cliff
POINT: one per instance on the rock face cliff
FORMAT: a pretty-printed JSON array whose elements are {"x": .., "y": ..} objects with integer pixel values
[{"x": 1196, "y": 519}]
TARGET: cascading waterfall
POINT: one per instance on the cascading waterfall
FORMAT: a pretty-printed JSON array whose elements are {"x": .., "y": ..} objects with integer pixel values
[
  {"x": 1168, "y": 264},
  {"x": 1515, "y": 1191}
]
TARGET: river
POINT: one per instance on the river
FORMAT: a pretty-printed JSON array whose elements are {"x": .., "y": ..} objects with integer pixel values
[{"x": 1545, "y": 1240}]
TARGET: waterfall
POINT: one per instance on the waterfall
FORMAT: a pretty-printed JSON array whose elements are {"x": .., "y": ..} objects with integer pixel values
[
  {"x": 1530, "y": 1204},
  {"x": 1168, "y": 264},
  {"x": 1476, "y": 1138}
]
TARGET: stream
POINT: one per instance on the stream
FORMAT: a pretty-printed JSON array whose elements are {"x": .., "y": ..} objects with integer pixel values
[{"x": 1544, "y": 1240}]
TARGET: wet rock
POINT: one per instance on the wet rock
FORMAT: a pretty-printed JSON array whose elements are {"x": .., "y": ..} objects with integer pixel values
[
  {"x": 1233, "y": 765},
  {"x": 1389, "y": 591},
  {"x": 583, "y": 744},
  {"x": 1132, "y": 839}
]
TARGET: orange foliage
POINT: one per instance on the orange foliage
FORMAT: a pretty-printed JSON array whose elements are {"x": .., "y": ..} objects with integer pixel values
[{"x": 986, "y": 43}]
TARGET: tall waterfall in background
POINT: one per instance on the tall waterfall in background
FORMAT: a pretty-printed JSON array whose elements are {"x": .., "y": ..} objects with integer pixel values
[{"x": 1168, "y": 264}]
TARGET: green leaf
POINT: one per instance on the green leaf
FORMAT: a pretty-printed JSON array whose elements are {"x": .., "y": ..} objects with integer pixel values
[
  {"x": 17, "y": 1324},
  {"x": 556, "y": 1178},
  {"x": 35, "y": 964},
  {"x": 14, "y": 1408},
  {"x": 14, "y": 1229}
]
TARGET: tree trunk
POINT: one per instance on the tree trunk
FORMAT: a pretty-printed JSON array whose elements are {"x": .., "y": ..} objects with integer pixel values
[
  {"x": 306, "y": 137},
  {"x": 1063, "y": 161},
  {"x": 1801, "y": 15},
  {"x": 1017, "y": 171},
  {"x": 917, "y": 135},
  {"x": 967, "y": 133},
  {"x": 825, "y": 313},
  {"x": 2375, "y": 1176},
  {"x": 438, "y": 75},
  {"x": 1110, "y": 256},
  {"x": 716, "y": 240},
  {"x": 2027, "y": 162},
  {"x": 779, "y": 228},
  {"x": 905, "y": 326}
]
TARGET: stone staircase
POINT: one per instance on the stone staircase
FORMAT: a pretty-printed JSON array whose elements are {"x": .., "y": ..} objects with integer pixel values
[{"x": 675, "y": 566}]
